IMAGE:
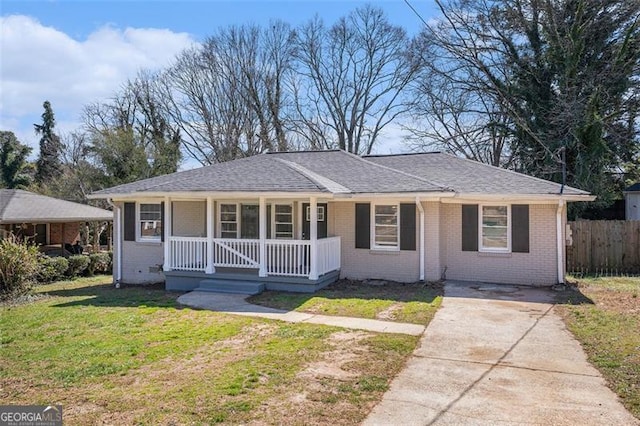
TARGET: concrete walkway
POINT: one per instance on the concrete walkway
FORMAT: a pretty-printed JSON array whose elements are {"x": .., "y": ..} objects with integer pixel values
[
  {"x": 497, "y": 355},
  {"x": 236, "y": 304}
]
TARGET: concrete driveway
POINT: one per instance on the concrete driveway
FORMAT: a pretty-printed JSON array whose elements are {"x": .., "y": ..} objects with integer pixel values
[{"x": 496, "y": 355}]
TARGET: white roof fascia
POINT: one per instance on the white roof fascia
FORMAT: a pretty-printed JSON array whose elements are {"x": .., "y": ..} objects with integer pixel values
[
  {"x": 424, "y": 196},
  {"x": 55, "y": 220},
  {"x": 205, "y": 194},
  {"x": 530, "y": 198}
]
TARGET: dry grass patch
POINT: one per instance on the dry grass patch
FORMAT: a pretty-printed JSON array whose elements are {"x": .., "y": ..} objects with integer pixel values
[
  {"x": 414, "y": 303},
  {"x": 133, "y": 356},
  {"x": 604, "y": 315}
]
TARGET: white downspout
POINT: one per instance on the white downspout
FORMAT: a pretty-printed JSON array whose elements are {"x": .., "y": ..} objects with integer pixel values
[
  {"x": 560, "y": 242},
  {"x": 117, "y": 273},
  {"x": 421, "y": 231}
]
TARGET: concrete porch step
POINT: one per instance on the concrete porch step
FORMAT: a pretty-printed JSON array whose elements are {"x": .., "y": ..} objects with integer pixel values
[{"x": 231, "y": 286}]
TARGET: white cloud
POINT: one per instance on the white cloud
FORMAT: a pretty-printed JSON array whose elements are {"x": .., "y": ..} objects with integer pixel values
[{"x": 41, "y": 63}]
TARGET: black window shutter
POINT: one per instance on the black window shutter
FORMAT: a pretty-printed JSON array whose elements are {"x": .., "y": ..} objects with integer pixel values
[
  {"x": 407, "y": 226},
  {"x": 129, "y": 221},
  {"x": 363, "y": 225},
  {"x": 520, "y": 228},
  {"x": 162, "y": 221},
  {"x": 469, "y": 227}
]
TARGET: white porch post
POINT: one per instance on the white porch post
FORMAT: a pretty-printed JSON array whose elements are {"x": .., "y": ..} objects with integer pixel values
[
  {"x": 210, "y": 269},
  {"x": 117, "y": 231},
  {"x": 166, "y": 228},
  {"x": 263, "y": 237},
  {"x": 313, "y": 224}
]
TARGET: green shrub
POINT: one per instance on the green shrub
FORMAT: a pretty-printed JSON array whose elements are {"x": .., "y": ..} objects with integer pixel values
[
  {"x": 77, "y": 265},
  {"x": 18, "y": 267},
  {"x": 52, "y": 268},
  {"x": 99, "y": 263}
]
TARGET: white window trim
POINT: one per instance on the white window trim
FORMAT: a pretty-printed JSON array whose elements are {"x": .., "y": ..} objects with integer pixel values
[
  {"x": 219, "y": 218},
  {"x": 273, "y": 223},
  {"x": 481, "y": 248},
  {"x": 373, "y": 227},
  {"x": 239, "y": 204},
  {"x": 321, "y": 214},
  {"x": 139, "y": 237}
]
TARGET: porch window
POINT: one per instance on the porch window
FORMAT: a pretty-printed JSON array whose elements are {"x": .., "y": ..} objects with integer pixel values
[
  {"x": 320, "y": 214},
  {"x": 495, "y": 228},
  {"x": 150, "y": 221},
  {"x": 385, "y": 226},
  {"x": 283, "y": 221},
  {"x": 229, "y": 220}
]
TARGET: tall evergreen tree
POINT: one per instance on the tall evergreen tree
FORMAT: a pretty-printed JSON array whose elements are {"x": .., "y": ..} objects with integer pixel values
[
  {"x": 48, "y": 165},
  {"x": 14, "y": 168}
]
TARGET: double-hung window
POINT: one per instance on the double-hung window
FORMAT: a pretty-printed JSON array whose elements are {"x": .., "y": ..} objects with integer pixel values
[
  {"x": 150, "y": 221},
  {"x": 495, "y": 222},
  {"x": 229, "y": 220},
  {"x": 283, "y": 221},
  {"x": 385, "y": 226}
]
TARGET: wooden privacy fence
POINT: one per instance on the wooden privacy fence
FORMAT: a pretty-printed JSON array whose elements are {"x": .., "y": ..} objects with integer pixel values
[{"x": 604, "y": 247}]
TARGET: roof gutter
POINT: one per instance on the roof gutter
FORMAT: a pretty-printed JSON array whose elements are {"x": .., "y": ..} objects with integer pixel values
[
  {"x": 204, "y": 194},
  {"x": 519, "y": 197}
]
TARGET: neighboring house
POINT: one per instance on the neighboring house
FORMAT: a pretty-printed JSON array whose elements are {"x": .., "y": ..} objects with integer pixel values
[
  {"x": 632, "y": 202},
  {"x": 46, "y": 221},
  {"x": 299, "y": 220}
]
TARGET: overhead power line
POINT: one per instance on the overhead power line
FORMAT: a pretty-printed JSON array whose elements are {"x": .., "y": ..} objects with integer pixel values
[{"x": 416, "y": 13}]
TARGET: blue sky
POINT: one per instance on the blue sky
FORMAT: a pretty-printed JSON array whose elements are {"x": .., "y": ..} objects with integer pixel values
[{"x": 76, "y": 52}]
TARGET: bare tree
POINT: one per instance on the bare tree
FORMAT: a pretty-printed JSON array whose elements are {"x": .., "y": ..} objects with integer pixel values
[
  {"x": 352, "y": 79},
  {"x": 228, "y": 96},
  {"x": 460, "y": 122},
  {"x": 518, "y": 82}
]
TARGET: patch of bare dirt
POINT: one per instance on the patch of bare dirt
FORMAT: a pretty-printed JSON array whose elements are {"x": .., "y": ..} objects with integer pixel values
[
  {"x": 618, "y": 301},
  {"x": 389, "y": 313},
  {"x": 316, "y": 398}
]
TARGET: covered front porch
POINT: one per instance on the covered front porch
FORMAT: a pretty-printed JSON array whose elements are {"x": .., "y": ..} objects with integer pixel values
[{"x": 218, "y": 244}]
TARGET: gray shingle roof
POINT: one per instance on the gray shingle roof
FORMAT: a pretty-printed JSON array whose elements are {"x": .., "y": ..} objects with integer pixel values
[
  {"x": 467, "y": 176},
  {"x": 18, "y": 206},
  {"x": 339, "y": 172},
  {"x": 358, "y": 174},
  {"x": 260, "y": 173}
]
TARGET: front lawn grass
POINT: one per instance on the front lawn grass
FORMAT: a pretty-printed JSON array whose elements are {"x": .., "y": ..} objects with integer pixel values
[
  {"x": 135, "y": 356},
  {"x": 609, "y": 331},
  {"x": 412, "y": 303}
]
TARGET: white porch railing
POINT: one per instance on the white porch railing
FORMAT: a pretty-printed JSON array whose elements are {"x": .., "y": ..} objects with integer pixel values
[
  {"x": 188, "y": 253},
  {"x": 288, "y": 258},
  {"x": 236, "y": 253},
  {"x": 328, "y": 255},
  {"x": 282, "y": 257}
]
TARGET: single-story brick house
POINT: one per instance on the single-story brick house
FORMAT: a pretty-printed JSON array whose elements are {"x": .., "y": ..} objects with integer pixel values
[
  {"x": 45, "y": 221},
  {"x": 299, "y": 220}
]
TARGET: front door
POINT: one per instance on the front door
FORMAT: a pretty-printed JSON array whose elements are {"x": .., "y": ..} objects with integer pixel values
[
  {"x": 41, "y": 234},
  {"x": 306, "y": 221},
  {"x": 249, "y": 221}
]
